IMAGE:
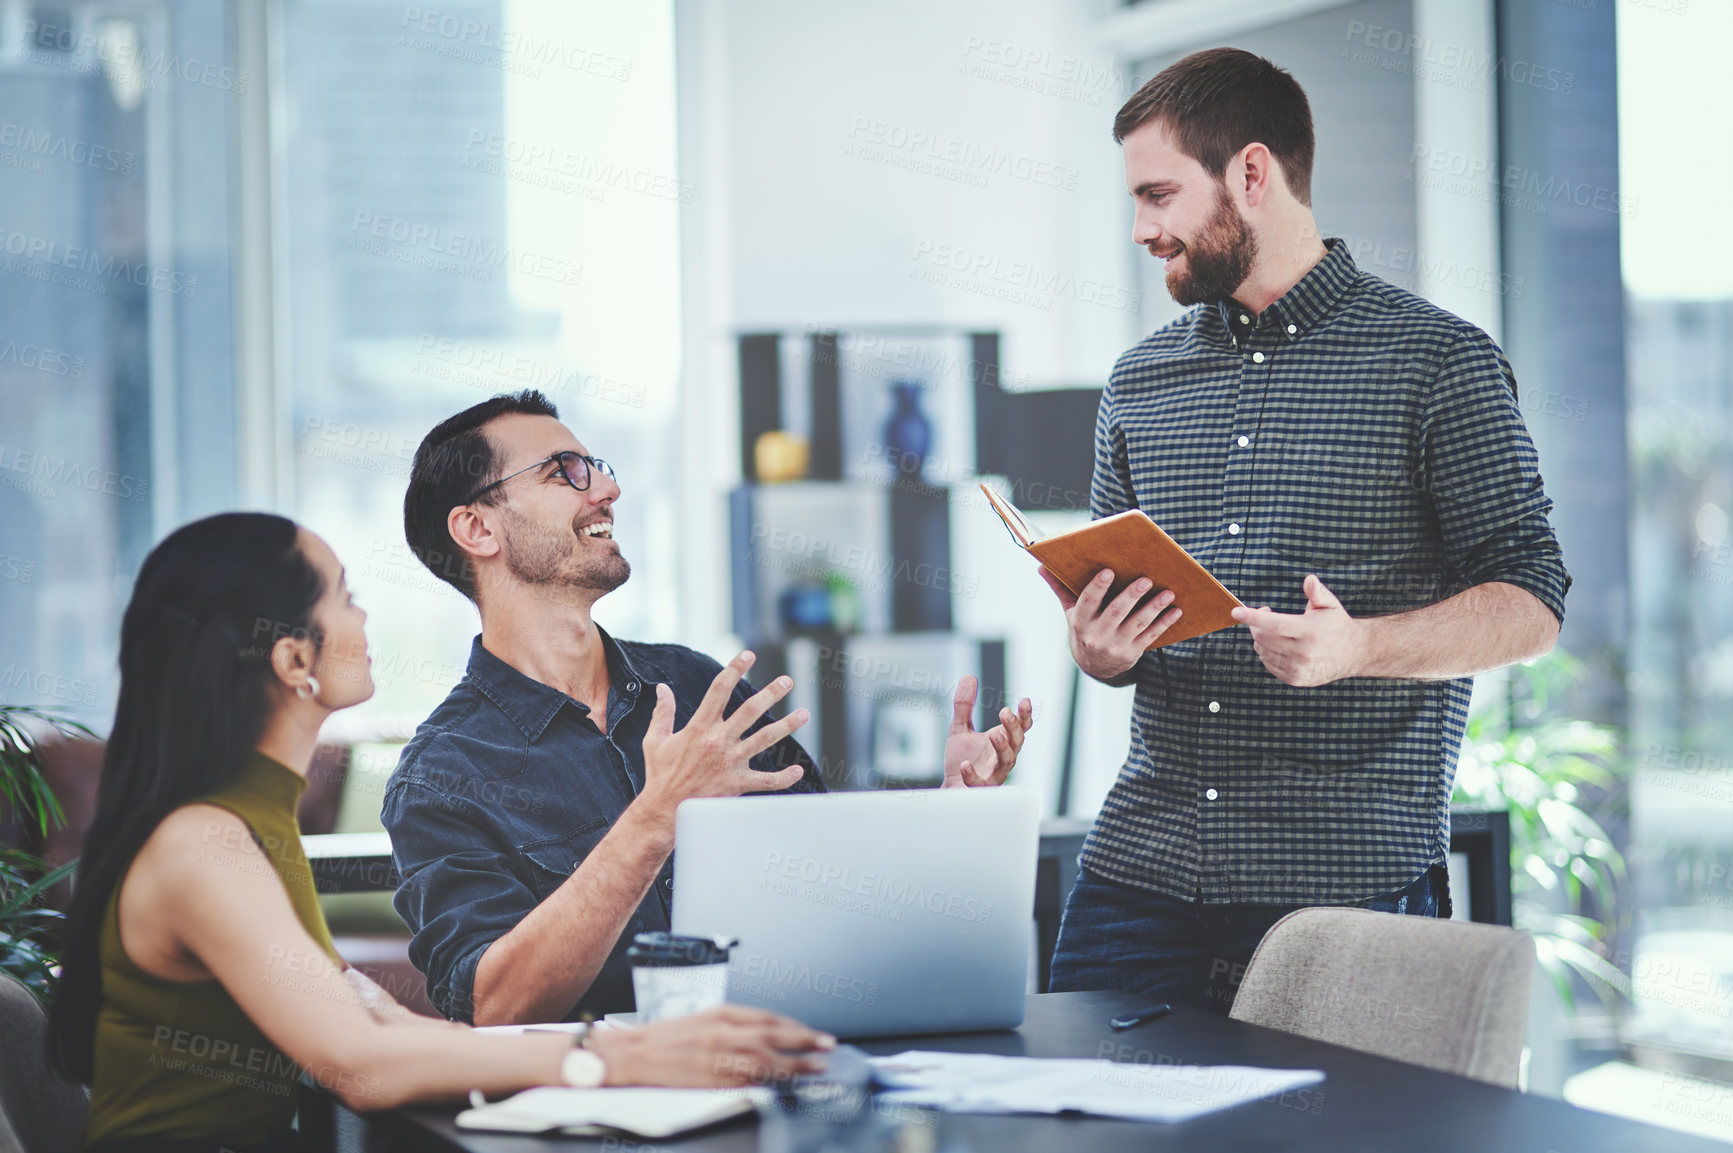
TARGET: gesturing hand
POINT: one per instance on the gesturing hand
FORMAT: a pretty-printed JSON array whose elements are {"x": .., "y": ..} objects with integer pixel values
[
  {"x": 1106, "y": 640},
  {"x": 975, "y": 759},
  {"x": 709, "y": 757},
  {"x": 1314, "y": 647}
]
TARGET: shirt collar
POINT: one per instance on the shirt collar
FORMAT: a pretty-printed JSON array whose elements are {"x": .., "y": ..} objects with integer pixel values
[
  {"x": 1301, "y": 307},
  {"x": 532, "y": 705}
]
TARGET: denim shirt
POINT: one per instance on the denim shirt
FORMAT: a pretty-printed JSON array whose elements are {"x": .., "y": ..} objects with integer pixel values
[{"x": 505, "y": 790}]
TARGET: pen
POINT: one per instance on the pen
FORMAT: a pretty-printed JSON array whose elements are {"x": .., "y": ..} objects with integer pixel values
[{"x": 1119, "y": 1024}]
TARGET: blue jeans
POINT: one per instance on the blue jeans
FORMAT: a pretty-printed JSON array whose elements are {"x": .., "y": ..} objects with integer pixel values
[{"x": 1114, "y": 936}]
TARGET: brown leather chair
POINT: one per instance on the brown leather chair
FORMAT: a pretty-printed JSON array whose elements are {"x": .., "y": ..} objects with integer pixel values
[{"x": 73, "y": 769}]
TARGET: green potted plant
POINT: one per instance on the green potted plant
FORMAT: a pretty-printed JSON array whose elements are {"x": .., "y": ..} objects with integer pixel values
[
  {"x": 1565, "y": 872},
  {"x": 26, "y": 949}
]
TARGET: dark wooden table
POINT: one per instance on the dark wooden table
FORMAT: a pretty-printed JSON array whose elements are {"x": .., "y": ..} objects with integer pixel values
[{"x": 1365, "y": 1103}]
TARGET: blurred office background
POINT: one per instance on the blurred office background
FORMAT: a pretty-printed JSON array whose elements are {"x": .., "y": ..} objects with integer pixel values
[{"x": 251, "y": 251}]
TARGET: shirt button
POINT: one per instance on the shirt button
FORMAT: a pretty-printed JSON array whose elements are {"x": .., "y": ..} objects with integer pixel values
[
  {"x": 631, "y": 686},
  {"x": 1215, "y": 706},
  {"x": 1244, "y": 440},
  {"x": 1244, "y": 319},
  {"x": 1257, "y": 358},
  {"x": 1233, "y": 530},
  {"x": 1293, "y": 328},
  {"x": 668, "y": 883},
  {"x": 1210, "y": 793}
]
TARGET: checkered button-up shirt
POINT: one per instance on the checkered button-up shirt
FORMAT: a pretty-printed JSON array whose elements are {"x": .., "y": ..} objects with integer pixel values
[{"x": 1351, "y": 430}]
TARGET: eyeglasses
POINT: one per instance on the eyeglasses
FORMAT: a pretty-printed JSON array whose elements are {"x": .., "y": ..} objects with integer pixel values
[{"x": 574, "y": 468}]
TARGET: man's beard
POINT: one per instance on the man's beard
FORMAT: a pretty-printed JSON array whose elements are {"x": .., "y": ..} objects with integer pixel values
[
  {"x": 1218, "y": 260},
  {"x": 542, "y": 556}
]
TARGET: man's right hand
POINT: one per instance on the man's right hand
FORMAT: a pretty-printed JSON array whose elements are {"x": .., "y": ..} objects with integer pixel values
[
  {"x": 710, "y": 756},
  {"x": 1108, "y": 639}
]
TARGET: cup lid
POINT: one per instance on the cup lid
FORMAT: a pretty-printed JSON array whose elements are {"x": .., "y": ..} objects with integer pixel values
[{"x": 674, "y": 949}]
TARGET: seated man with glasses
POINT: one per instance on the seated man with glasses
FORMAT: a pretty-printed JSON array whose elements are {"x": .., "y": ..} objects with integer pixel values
[{"x": 532, "y": 816}]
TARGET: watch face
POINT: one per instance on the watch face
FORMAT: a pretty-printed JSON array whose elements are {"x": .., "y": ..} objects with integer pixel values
[{"x": 582, "y": 1069}]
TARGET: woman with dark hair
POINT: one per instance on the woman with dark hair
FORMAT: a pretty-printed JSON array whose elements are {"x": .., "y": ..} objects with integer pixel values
[{"x": 199, "y": 979}]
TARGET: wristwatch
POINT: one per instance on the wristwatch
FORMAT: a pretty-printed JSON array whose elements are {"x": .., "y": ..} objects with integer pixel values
[{"x": 582, "y": 1069}]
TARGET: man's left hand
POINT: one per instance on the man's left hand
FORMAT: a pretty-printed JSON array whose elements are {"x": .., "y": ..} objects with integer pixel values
[
  {"x": 979, "y": 759},
  {"x": 1315, "y": 647}
]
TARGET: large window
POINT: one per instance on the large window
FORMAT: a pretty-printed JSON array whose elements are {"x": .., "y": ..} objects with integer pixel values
[
  {"x": 1678, "y": 279},
  {"x": 117, "y": 406},
  {"x": 473, "y": 200}
]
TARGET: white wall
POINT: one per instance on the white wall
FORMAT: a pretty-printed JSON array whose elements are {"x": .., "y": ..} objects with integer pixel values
[
  {"x": 905, "y": 164},
  {"x": 860, "y": 143}
]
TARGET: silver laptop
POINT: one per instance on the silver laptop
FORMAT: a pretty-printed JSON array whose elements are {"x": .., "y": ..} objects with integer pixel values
[{"x": 867, "y": 914}]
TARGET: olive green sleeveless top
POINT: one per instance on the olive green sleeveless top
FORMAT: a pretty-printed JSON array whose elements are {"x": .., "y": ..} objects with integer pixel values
[{"x": 181, "y": 1059}]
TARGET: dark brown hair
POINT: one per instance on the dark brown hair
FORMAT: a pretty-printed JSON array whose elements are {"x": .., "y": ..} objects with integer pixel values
[
  {"x": 454, "y": 460},
  {"x": 1216, "y": 102}
]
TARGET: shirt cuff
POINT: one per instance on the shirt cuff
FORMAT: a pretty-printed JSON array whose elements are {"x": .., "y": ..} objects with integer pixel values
[{"x": 454, "y": 996}]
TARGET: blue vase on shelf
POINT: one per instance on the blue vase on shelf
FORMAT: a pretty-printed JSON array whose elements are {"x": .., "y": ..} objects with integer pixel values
[{"x": 908, "y": 433}]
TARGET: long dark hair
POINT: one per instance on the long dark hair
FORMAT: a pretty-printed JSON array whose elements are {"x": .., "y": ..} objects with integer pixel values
[{"x": 195, "y": 693}]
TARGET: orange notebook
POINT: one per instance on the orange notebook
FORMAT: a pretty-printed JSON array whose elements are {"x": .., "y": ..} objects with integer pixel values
[{"x": 1132, "y": 546}]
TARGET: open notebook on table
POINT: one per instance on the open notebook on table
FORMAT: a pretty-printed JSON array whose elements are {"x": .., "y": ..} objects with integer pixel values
[
  {"x": 651, "y": 1113},
  {"x": 1132, "y": 546}
]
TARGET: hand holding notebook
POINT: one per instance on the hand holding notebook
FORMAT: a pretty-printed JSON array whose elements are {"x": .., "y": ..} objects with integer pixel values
[{"x": 1132, "y": 546}]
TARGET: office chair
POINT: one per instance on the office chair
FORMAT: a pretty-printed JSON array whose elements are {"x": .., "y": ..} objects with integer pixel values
[
  {"x": 1448, "y": 995},
  {"x": 39, "y": 1112}
]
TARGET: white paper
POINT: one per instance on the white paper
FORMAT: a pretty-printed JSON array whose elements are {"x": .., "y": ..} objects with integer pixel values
[{"x": 980, "y": 1083}]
